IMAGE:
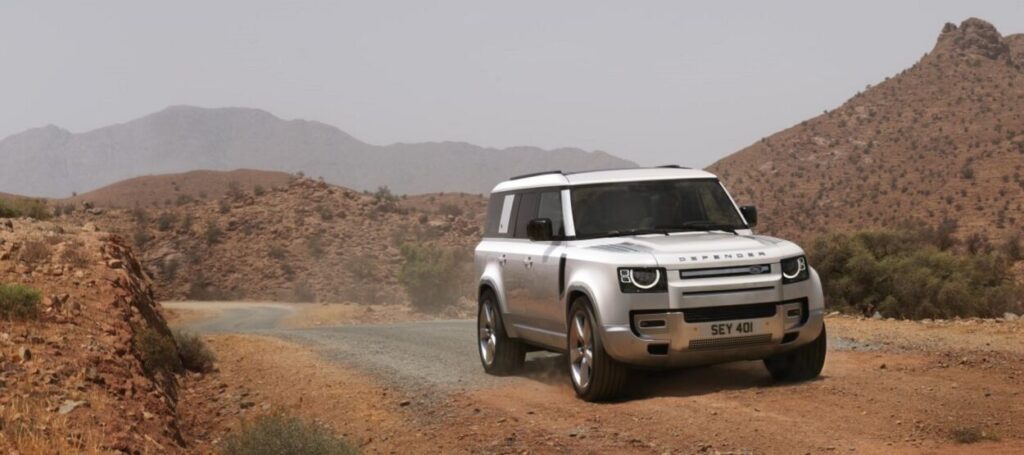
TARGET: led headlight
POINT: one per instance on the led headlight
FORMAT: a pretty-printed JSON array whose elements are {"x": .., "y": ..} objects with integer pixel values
[
  {"x": 642, "y": 279},
  {"x": 795, "y": 270}
]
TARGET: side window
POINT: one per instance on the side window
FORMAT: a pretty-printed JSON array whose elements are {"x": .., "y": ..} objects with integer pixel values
[
  {"x": 506, "y": 214},
  {"x": 551, "y": 208},
  {"x": 493, "y": 212},
  {"x": 527, "y": 211}
]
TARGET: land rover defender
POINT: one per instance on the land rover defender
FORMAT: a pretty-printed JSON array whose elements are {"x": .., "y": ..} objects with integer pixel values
[{"x": 640, "y": 268}]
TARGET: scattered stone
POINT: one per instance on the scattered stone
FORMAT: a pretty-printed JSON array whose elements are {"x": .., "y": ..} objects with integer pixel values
[
  {"x": 115, "y": 263},
  {"x": 24, "y": 353},
  {"x": 246, "y": 404},
  {"x": 877, "y": 316},
  {"x": 1010, "y": 316},
  {"x": 70, "y": 405},
  {"x": 405, "y": 403}
]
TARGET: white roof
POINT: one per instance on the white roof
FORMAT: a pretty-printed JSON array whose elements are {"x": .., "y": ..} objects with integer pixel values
[{"x": 586, "y": 178}]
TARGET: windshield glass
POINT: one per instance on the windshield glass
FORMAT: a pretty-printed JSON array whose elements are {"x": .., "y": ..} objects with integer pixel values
[{"x": 648, "y": 207}]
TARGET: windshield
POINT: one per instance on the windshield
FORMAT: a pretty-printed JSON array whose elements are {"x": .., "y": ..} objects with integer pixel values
[{"x": 648, "y": 207}]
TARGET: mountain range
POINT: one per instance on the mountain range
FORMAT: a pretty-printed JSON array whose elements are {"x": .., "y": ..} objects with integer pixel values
[{"x": 53, "y": 162}]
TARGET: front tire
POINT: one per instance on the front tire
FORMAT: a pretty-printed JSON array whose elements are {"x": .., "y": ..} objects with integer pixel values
[
  {"x": 801, "y": 364},
  {"x": 499, "y": 354},
  {"x": 595, "y": 375}
]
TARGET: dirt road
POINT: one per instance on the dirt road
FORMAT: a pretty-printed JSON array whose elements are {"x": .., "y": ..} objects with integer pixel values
[{"x": 887, "y": 387}]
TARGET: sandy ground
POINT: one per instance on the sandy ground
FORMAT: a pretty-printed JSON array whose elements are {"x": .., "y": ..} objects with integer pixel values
[{"x": 887, "y": 387}]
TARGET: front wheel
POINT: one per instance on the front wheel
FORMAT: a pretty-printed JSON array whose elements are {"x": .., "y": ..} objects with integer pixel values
[
  {"x": 499, "y": 354},
  {"x": 801, "y": 364},
  {"x": 595, "y": 375}
]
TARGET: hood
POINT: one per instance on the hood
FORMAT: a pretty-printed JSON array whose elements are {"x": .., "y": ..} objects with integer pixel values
[{"x": 704, "y": 249}]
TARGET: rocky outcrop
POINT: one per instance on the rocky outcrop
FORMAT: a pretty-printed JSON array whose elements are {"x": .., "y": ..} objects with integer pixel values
[
  {"x": 76, "y": 379},
  {"x": 976, "y": 37}
]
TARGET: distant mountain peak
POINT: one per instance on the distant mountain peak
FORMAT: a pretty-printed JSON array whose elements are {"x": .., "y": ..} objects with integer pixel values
[{"x": 974, "y": 36}]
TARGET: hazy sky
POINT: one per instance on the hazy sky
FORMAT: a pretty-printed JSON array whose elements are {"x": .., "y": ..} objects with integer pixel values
[{"x": 656, "y": 82}]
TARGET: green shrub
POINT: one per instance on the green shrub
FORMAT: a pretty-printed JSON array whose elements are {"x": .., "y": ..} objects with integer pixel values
[
  {"x": 259, "y": 190},
  {"x": 19, "y": 302},
  {"x": 900, "y": 274},
  {"x": 195, "y": 354},
  {"x": 158, "y": 351},
  {"x": 433, "y": 277},
  {"x": 19, "y": 207},
  {"x": 213, "y": 233},
  {"x": 279, "y": 435},
  {"x": 166, "y": 221}
]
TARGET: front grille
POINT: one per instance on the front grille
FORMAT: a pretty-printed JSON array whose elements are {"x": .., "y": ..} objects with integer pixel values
[
  {"x": 729, "y": 313},
  {"x": 727, "y": 343},
  {"x": 743, "y": 270}
]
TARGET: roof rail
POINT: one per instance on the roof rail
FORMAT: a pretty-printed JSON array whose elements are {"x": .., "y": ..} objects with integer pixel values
[
  {"x": 672, "y": 166},
  {"x": 535, "y": 174}
]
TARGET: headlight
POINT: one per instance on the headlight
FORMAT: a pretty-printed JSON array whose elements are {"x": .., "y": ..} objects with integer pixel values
[
  {"x": 795, "y": 270},
  {"x": 642, "y": 279}
]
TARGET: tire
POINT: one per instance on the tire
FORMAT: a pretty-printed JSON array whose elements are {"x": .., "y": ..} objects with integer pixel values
[
  {"x": 801, "y": 364},
  {"x": 499, "y": 354},
  {"x": 594, "y": 374}
]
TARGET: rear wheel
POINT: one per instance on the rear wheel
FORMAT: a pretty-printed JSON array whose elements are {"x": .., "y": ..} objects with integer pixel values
[
  {"x": 801, "y": 364},
  {"x": 499, "y": 354},
  {"x": 595, "y": 375}
]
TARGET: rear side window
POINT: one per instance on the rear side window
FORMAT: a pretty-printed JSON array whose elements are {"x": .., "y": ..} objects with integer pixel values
[
  {"x": 499, "y": 215},
  {"x": 551, "y": 208},
  {"x": 528, "y": 204}
]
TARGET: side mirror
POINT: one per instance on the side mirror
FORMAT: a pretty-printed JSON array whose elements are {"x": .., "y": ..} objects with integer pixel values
[
  {"x": 539, "y": 230},
  {"x": 750, "y": 214}
]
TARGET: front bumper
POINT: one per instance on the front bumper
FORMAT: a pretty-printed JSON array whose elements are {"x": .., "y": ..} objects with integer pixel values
[
  {"x": 681, "y": 343},
  {"x": 653, "y": 335}
]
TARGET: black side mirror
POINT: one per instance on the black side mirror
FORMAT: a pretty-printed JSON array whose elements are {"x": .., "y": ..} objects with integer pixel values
[
  {"x": 750, "y": 214},
  {"x": 539, "y": 230}
]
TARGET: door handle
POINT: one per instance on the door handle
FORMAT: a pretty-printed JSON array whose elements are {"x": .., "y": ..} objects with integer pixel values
[
  {"x": 528, "y": 262},
  {"x": 502, "y": 260}
]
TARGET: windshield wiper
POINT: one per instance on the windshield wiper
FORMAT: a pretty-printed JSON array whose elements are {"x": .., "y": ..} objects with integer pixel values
[
  {"x": 638, "y": 231},
  {"x": 708, "y": 226}
]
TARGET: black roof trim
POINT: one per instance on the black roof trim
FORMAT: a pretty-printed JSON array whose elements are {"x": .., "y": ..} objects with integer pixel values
[
  {"x": 535, "y": 174},
  {"x": 672, "y": 166}
]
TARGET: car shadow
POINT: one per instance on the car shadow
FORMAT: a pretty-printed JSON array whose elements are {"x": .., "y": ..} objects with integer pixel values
[{"x": 552, "y": 369}]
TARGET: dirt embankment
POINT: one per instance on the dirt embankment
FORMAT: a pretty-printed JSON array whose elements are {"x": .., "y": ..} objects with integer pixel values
[{"x": 74, "y": 379}]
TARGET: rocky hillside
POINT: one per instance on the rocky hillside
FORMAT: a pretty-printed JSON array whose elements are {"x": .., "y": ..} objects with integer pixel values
[
  {"x": 943, "y": 139},
  {"x": 77, "y": 373},
  {"x": 54, "y": 162},
  {"x": 305, "y": 241},
  {"x": 176, "y": 189}
]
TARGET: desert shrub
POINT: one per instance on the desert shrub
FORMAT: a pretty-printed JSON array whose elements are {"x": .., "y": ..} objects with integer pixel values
[
  {"x": 302, "y": 292},
  {"x": 235, "y": 191},
  {"x": 186, "y": 222},
  {"x": 195, "y": 354},
  {"x": 315, "y": 245},
  {"x": 433, "y": 277},
  {"x": 183, "y": 199},
  {"x": 384, "y": 195},
  {"x": 1012, "y": 249},
  {"x": 75, "y": 255},
  {"x": 325, "y": 212},
  {"x": 901, "y": 274},
  {"x": 34, "y": 252},
  {"x": 166, "y": 221},
  {"x": 169, "y": 269},
  {"x": 213, "y": 233},
  {"x": 450, "y": 209},
  {"x": 277, "y": 252},
  {"x": 140, "y": 215},
  {"x": 141, "y": 237},
  {"x": 158, "y": 351},
  {"x": 279, "y": 434},
  {"x": 259, "y": 190},
  {"x": 19, "y": 301},
  {"x": 223, "y": 206},
  {"x": 31, "y": 208},
  {"x": 970, "y": 435},
  {"x": 362, "y": 268}
]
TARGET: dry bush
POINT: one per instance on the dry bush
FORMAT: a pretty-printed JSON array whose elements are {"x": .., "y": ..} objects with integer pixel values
[
  {"x": 34, "y": 252},
  {"x": 434, "y": 277},
  {"x": 195, "y": 354},
  {"x": 278, "y": 434},
  {"x": 75, "y": 254},
  {"x": 303, "y": 292},
  {"x": 158, "y": 351},
  {"x": 31, "y": 208}
]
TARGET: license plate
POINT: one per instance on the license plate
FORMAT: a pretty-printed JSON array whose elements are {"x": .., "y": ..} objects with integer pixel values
[{"x": 732, "y": 329}]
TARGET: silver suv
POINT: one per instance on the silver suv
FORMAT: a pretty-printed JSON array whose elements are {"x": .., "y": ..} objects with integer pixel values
[{"x": 640, "y": 268}]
